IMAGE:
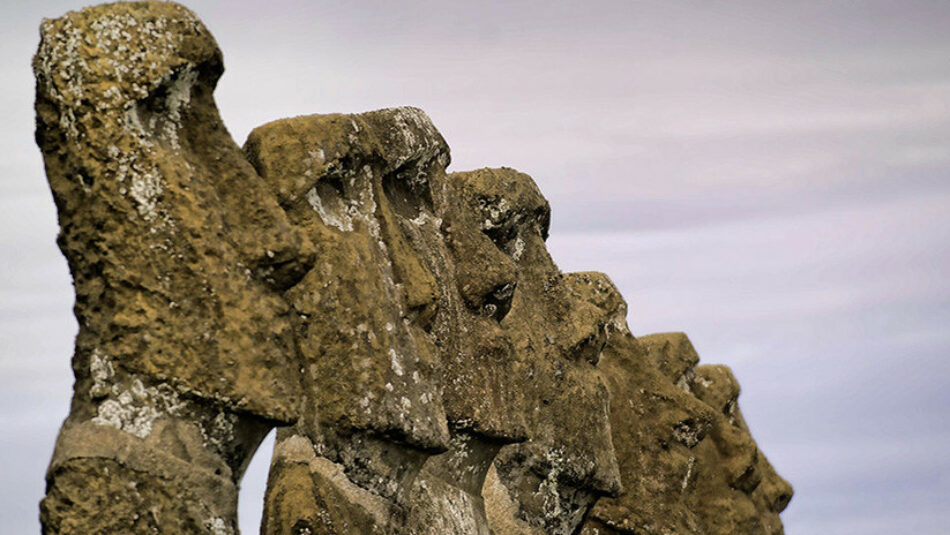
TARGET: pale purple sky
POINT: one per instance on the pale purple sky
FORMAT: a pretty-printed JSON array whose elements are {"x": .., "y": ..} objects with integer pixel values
[{"x": 772, "y": 178}]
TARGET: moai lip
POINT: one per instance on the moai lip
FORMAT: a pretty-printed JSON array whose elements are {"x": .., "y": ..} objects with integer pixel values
[{"x": 184, "y": 357}]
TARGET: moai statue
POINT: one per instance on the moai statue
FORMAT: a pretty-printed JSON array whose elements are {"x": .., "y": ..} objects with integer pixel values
[
  {"x": 359, "y": 187},
  {"x": 185, "y": 357},
  {"x": 483, "y": 377},
  {"x": 687, "y": 465},
  {"x": 739, "y": 492},
  {"x": 411, "y": 384},
  {"x": 547, "y": 483},
  {"x": 656, "y": 426}
]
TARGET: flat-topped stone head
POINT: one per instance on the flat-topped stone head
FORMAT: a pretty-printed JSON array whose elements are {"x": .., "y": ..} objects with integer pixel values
[
  {"x": 547, "y": 483},
  {"x": 399, "y": 337},
  {"x": 355, "y": 184},
  {"x": 172, "y": 240},
  {"x": 687, "y": 460},
  {"x": 185, "y": 354}
]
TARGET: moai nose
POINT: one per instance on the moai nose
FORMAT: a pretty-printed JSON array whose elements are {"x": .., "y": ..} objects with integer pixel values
[
  {"x": 418, "y": 285},
  {"x": 486, "y": 277}
]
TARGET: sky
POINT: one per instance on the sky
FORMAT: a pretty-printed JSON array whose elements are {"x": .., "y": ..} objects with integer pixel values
[{"x": 772, "y": 178}]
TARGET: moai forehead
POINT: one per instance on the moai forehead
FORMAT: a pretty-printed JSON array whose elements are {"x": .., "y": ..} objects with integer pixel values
[
  {"x": 173, "y": 243},
  {"x": 672, "y": 353}
]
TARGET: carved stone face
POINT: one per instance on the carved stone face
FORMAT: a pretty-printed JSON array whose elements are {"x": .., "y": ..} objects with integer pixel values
[
  {"x": 360, "y": 188},
  {"x": 656, "y": 428},
  {"x": 568, "y": 460},
  {"x": 740, "y": 491},
  {"x": 482, "y": 376},
  {"x": 178, "y": 254},
  {"x": 687, "y": 462},
  {"x": 399, "y": 336}
]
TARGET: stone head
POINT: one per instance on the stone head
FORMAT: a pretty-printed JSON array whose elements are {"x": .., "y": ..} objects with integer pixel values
[
  {"x": 184, "y": 357},
  {"x": 740, "y": 491},
  {"x": 687, "y": 461},
  {"x": 361, "y": 188},
  {"x": 557, "y": 334}
]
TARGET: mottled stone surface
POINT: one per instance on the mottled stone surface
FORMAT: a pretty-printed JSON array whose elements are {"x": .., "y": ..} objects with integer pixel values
[
  {"x": 687, "y": 460},
  {"x": 557, "y": 330},
  {"x": 739, "y": 491},
  {"x": 359, "y": 187},
  {"x": 410, "y": 383},
  {"x": 431, "y": 368},
  {"x": 185, "y": 349}
]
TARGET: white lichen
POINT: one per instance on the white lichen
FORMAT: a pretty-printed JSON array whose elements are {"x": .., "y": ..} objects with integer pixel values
[
  {"x": 101, "y": 372},
  {"x": 689, "y": 472},
  {"x": 395, "y": 361},
  {"x": 517, "y": 248},
  {"x": 177, "y": 99},
  {"x": 342, "y": 221},
  {"x": 134, "y": 408},
  {"x": 218, "y": 526}
]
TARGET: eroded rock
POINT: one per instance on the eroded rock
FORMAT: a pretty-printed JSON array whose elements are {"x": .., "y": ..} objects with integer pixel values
[
  {"x": 359, "y": 186},
  {"x": 185, "y": 350},
  {"x": 686, "y": 457},
  {"x": 432, "y": 368},
  {"x": 547, "y": 483}
]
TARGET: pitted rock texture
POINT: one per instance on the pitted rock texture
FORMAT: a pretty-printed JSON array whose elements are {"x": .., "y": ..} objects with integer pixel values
[
  {"x": 568, "y": 458},
  {"x": 410, "y": 380},
  {"x": 185, "y": 354},
  {"x": 431, "y": 369},
  {"x": 687, "y": 459}
]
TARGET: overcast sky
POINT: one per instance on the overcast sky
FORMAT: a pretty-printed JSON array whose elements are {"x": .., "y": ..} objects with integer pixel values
[{"x": 772, "y": 178}]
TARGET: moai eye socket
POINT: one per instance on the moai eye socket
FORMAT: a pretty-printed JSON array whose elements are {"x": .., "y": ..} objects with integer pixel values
[
  {"x": 407, "y": 189},
  {"x": 496, "y": 221},
  {"x": 328, "y": 200}
]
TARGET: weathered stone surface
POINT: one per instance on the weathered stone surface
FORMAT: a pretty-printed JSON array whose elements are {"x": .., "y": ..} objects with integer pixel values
[
  {"x": 558, "y": 332},
  {"x": 739, "y": 491},
  {"x": 432, "y": 368},
  {"x": 686, "y": 458},
  {"x": 184, "y": 349},
  {"x": 398, "y": 326}
]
